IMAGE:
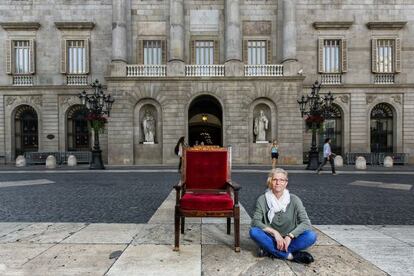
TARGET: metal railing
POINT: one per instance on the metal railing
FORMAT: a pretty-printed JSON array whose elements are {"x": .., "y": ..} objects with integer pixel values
[
  {"x": 23, "y": 80},
  {"x": 137, "y": 70},
  {"x": 77, "y": 80},
  {"x": 33, "y": 158},
  {"x": 376, "y": 158},
  {"x": 384, "y": 78},
  {"x": 268, "y": 70},
  {"x": 331, "y": 78},
  {"x": 204, "y": 70}
]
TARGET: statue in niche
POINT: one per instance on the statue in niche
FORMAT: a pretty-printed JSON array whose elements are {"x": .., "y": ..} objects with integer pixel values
[
  {"x": 261, "y": 124},
  {"x": 148, "y": 127}
]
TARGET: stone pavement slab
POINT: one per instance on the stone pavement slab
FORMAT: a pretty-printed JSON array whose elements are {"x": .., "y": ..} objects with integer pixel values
[
  {"x": 390, "y": 253},
  {"x": 42, "y": 232},
  {"x": 164, "y": 234},
  {"x": 73, "y": 259},
  {"x": 150, "y": 259},
  {"x": 105, "y": 233}
]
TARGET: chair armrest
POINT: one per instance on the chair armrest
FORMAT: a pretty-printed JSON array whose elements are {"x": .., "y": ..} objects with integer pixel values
[
  {"x": 179, "y": 188},
  {"x": 233, "y": 185}
]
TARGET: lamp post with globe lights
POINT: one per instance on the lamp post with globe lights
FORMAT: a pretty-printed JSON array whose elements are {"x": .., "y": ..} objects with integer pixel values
[
  {"x": 98, "y": 105},
  {"x": 315, "y": 108}
]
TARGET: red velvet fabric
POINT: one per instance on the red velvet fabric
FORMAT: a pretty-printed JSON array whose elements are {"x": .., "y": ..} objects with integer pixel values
[
  {"x": 206, "y": 169},
  {"x": 206, "y": 202}
]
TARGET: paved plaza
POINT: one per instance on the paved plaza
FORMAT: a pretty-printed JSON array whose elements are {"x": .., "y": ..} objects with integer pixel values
[{"x": 120, "y": 222}]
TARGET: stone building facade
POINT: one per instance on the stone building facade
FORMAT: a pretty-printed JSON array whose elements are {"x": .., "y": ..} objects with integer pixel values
[{"x": 205, "y": 70}]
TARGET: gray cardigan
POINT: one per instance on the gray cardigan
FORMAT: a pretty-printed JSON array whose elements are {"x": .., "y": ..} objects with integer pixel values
[{"x": 295, "y": 220}]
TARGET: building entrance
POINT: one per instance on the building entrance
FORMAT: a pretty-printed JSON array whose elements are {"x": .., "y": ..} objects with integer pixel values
[{"x": 205, "y": 117}]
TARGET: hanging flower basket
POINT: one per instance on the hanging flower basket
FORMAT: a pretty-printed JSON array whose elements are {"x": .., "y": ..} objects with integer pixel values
[
  {"x": 318, "y": 119},
  {"x": 97, "y": 122}
]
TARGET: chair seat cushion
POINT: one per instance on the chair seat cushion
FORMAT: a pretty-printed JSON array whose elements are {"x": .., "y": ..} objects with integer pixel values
[{"x": 206, "y": 202}]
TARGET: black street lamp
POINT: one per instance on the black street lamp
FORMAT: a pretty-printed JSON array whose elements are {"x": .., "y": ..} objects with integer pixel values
[
  {"x": 98, "y": 105},
  {"x": 316, "y": 108}
]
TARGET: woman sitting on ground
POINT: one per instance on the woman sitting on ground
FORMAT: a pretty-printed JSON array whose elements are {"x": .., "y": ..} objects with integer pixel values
[{"x": 280, "y": 225}]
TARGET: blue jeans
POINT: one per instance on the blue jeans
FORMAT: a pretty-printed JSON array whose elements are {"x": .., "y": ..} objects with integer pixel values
[{"x": 268, "y": 243}]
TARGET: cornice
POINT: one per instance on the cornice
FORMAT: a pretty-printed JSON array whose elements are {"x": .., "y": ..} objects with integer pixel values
[
  {"x": 386, "y": 25},
  {"x": 24, "y": 26},
  {"x": 75, "y": 25},
  {"x": 332, "y": 25}
]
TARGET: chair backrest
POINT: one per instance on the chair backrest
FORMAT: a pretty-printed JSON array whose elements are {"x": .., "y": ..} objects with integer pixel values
[{"x": 206, "y": 169}]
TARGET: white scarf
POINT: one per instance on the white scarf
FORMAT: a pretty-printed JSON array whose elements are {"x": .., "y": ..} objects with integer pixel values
[{"x": 276, "y": 205}]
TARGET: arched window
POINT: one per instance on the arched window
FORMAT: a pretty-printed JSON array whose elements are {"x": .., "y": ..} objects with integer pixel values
[
  {"x": 78, "y": 135},
  {"x": 382, "y": 128},
  {"x": 332, "y": 128},
  {"x": 26, "y": 130}
]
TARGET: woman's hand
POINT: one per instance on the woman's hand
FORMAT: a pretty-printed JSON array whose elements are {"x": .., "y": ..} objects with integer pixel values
[
  {"x": 287, "y": 241},
  {"x": 280, "y": 242}
]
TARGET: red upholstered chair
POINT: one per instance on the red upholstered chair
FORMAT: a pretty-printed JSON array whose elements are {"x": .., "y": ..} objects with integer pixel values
[{"x": 206, "y": 190}]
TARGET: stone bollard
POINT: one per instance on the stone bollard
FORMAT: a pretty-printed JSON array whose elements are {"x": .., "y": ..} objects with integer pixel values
[
  {"x": 20, "y": 161},
  {"x": 360, "y": 163},
  {"x": 338, "y": 161},
  {"x": 388, "y": 162},
  {"x": 72, "y": 161},
  {"x": 50, "y": 162}
]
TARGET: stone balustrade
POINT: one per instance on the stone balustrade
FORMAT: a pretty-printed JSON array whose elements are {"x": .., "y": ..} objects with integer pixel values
[
  {"x": 331, "y": 78},
  {"x": 269, "y": 70},
  {"x": 384, "y": 78},
  {"x": 77, "y": 80},
  {"x": 23, "y": 80},
  {"x": 137, "y": 70},
  {"x": 204, "y": 70}
]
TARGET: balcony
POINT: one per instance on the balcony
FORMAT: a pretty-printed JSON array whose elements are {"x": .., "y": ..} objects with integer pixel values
[
  {"x": 384, "y": 78},
  {"x": 23, "y": 80},
  {"x": 204, "y": 70},
  {"x": 331, "y": 79},
  {"x": 77, "y": 80},
  {"x": 137, "y": 70},
  {"x": 263, "y": 70}
]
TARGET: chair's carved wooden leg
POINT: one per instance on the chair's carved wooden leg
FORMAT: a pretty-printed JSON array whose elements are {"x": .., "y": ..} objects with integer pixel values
[
  {"x": 228, "y": 226},
  {"x": 176, "y": 230},
  {"x": 237, "y": 229},
  {"x": 182, "y": 225}
]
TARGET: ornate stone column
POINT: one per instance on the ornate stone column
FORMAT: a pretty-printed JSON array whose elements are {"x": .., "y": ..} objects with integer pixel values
[
  {"x": 289, "y": 29},
  {"x": 233, "y": 40},
  {"x": 176, "y": 54},
  {"x": 119, "y": 37}
]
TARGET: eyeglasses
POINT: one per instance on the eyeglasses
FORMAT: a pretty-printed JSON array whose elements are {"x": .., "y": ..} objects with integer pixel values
[{"x": 283, "y": 180}]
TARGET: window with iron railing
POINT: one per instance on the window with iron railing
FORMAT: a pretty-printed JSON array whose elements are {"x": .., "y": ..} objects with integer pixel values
[
  {"x": 332, "y": 59},
  {"x": 22, "y": 56},
  {"x": 76, "y": 57},
  {"x": 256, "y": 52},
  {"x": 385, "y": 55},
  {"x": 152, "y": 52},
  {"x": 204, "y": 52}
]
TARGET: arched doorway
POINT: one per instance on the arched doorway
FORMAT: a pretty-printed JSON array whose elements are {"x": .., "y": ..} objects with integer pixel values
[
  {"x": 26, "y": 130},
  {"x": 332, "y": 128},
  {"x": 78, "y": 134},
  {"x": 205, "y": 121},
  {"x": 382, "y": 121}
]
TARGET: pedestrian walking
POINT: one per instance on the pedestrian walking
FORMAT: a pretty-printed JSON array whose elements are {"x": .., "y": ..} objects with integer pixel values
[
  {"x": 328, "y": 155},
  {"x": 280, "y": 225},
  {"x": 274, "y": 150}
]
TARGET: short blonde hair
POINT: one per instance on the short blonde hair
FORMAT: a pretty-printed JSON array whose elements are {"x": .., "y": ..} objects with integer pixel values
[{"x": 272, "y": 173}]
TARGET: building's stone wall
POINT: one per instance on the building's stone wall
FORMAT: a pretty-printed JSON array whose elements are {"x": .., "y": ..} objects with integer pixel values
[
  {"x": 174, "y": 97},
  {"x": 150, "y": 19}
]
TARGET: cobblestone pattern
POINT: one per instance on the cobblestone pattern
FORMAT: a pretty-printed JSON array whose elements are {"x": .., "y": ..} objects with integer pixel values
[{"x": 134, "y": 197}]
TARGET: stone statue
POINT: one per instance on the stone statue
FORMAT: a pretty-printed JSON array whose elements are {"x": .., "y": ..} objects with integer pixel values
[
  {"x": 260, "y": 126},
  {"x": 148, "y": 126}
]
